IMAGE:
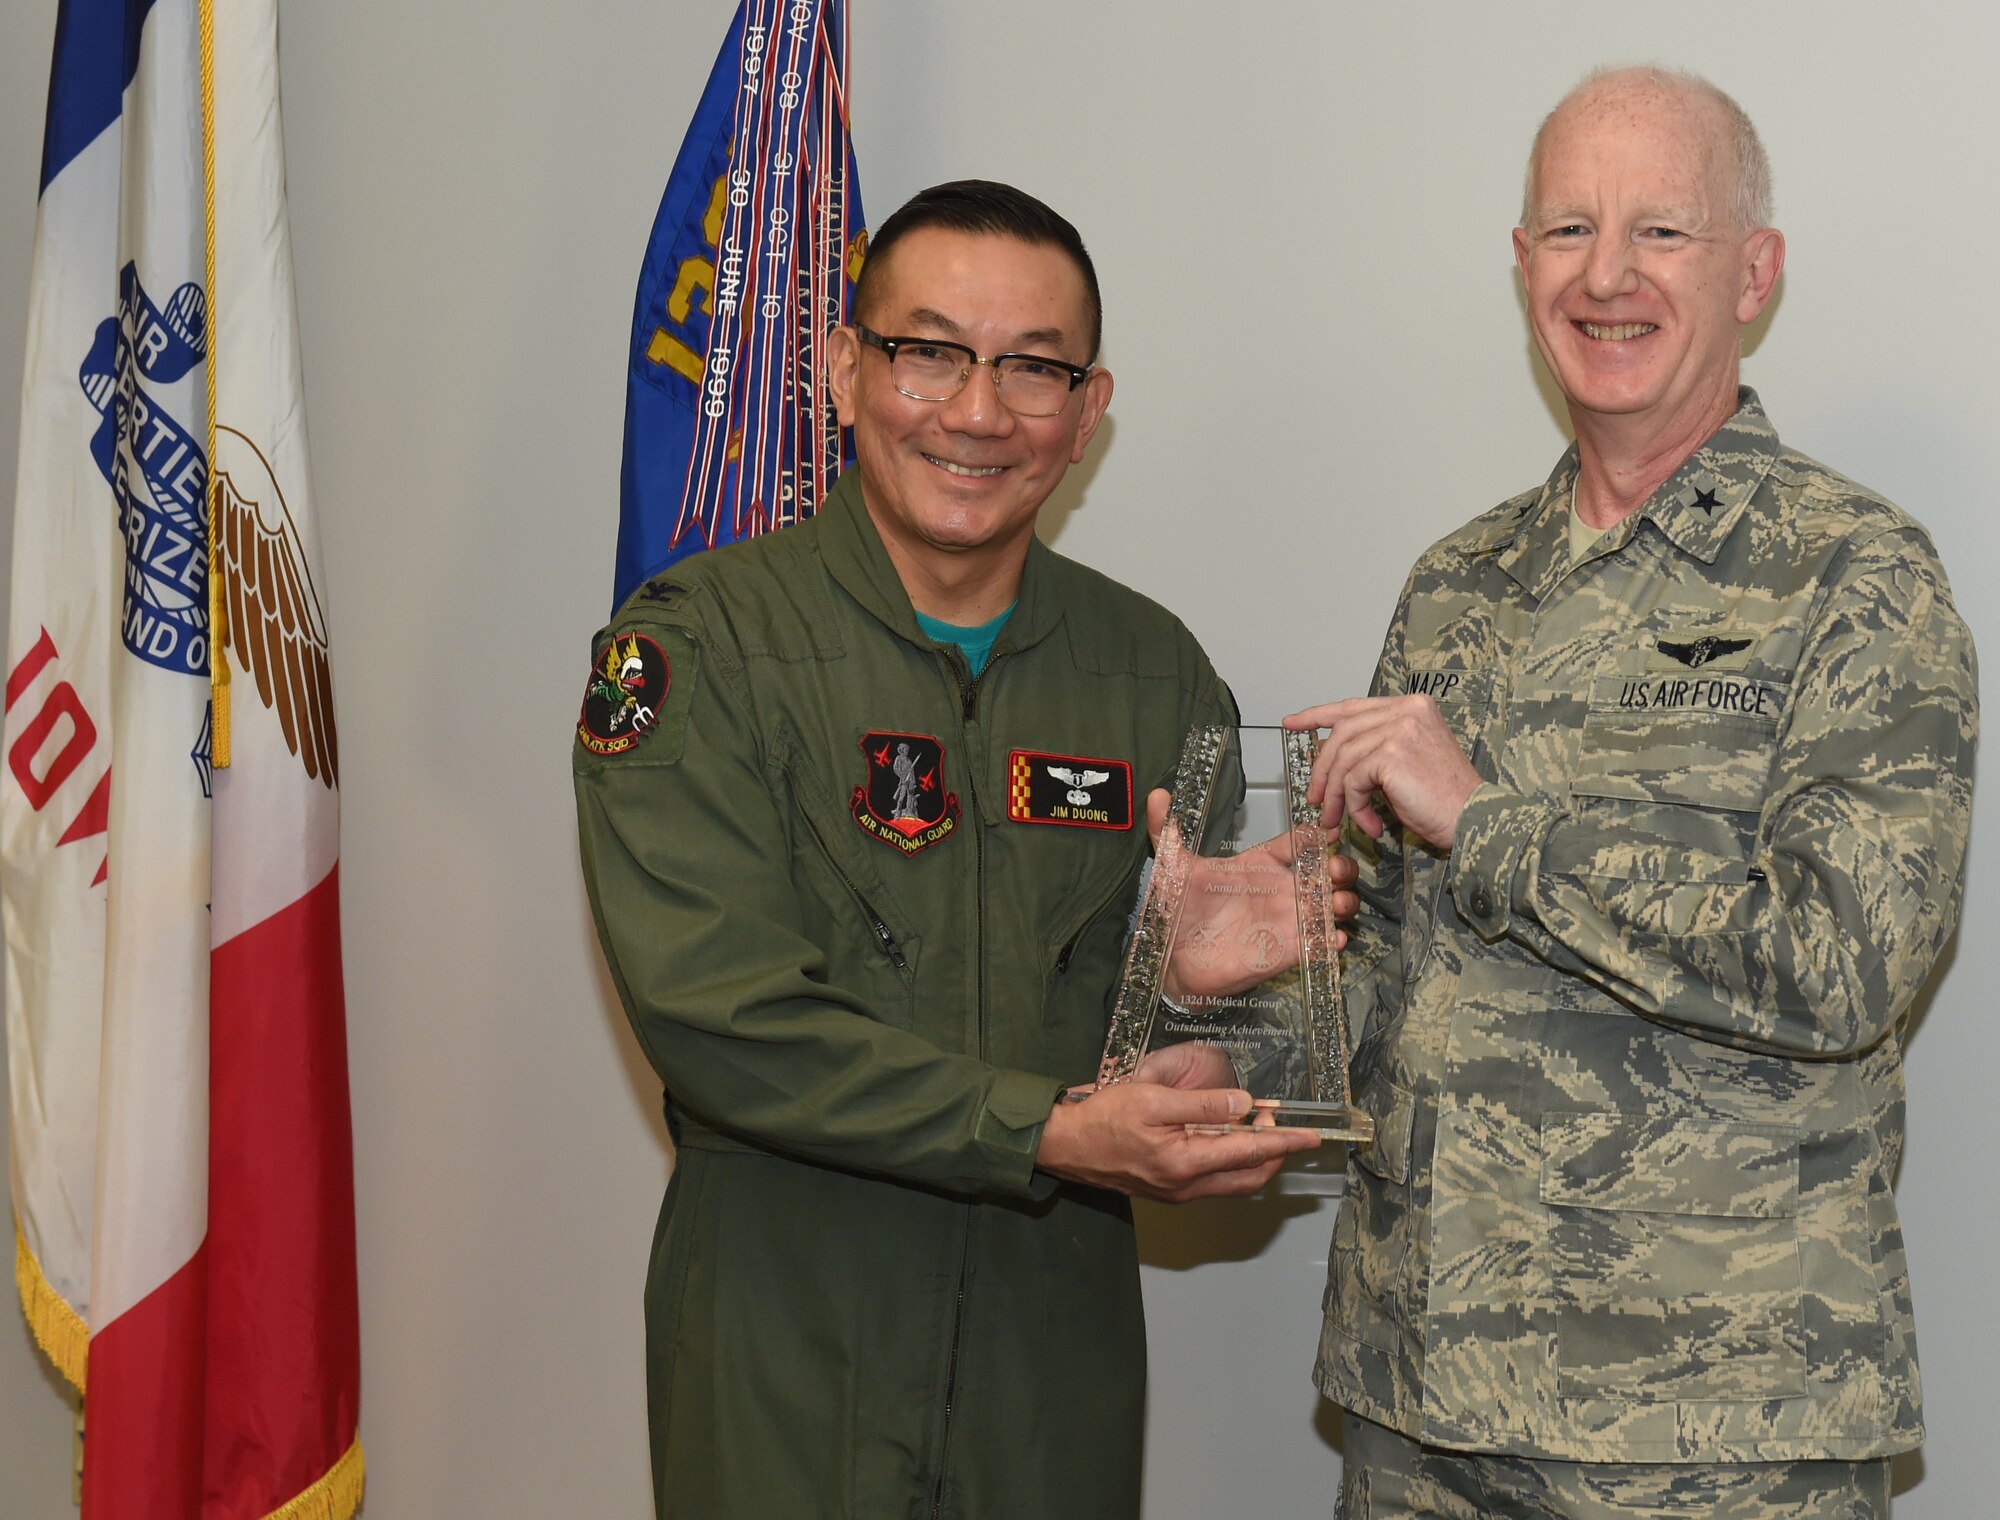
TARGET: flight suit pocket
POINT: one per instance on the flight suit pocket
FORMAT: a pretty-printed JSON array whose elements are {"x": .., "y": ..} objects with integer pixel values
[
  {"x": 1086, "y": 962},
  {"x": 847, "y": 903},
  {"x": 1673, "y": 1256}
]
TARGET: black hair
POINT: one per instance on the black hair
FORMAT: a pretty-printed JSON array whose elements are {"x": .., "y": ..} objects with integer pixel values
[{"x": 985, "y": 206}]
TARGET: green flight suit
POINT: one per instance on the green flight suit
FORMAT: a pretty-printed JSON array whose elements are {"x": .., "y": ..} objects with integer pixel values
[
  {"x": 864, "y": 1301},
  {"x": 1633, "y": 1047}
]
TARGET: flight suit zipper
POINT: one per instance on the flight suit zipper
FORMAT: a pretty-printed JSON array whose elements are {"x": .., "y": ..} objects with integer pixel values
[
  {"x": 1069, "y": 945},
  {"x": 967, "y": 686},
  {"x": 951, "y": 1365},
  {"x": 877, "y": 925}
]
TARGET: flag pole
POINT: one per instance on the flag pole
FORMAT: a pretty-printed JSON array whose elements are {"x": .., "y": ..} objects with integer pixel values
[{"x": 218, "y": 600}]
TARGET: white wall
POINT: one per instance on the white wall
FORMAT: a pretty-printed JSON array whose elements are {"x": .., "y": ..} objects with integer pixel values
[{"x": 1300, "y": 213}]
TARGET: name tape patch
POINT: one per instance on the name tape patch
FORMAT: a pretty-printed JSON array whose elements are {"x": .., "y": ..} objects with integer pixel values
[
  {"x": 1074, "y": 791},
  {"x": 1724, "y": 695},
  {"x": 1444, "y": 684}
]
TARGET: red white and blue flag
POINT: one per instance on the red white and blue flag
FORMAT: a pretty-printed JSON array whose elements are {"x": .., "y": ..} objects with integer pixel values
[
  {"x": 182, "y": 1178},
  {"x": 729, "y": 428}
]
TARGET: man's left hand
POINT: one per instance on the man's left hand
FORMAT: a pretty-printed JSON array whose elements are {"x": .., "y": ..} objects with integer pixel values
[
  {"x": 1189, "y": 1065},
  {"x": 1239, "y": 920}
]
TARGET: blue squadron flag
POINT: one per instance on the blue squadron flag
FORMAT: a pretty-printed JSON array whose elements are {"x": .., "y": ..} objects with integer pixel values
[{"x": 729, "y": 428}]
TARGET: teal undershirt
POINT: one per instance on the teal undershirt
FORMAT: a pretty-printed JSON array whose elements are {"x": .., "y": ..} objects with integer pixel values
[{"x": 975, "y": 643}]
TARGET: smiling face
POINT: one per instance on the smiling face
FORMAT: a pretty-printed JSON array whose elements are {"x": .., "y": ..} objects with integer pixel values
[
  {"x": 1638, "y": 279},
  {"x": 953, "y": 486}
]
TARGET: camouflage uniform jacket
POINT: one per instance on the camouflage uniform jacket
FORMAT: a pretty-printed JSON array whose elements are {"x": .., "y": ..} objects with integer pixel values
[
  {"x": 1633, "y": 1046},
  {"x": 865, "y": 1302}
]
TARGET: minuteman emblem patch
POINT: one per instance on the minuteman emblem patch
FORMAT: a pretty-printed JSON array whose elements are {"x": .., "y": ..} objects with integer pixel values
[
  {"x": 1072, "y": 790},
  {"x": 622, "y": 702},
  {"x": 903, "y": 802}
]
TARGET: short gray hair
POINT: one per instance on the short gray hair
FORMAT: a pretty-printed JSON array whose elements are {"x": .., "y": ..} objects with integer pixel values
[{"x": 1751, "y": 204}]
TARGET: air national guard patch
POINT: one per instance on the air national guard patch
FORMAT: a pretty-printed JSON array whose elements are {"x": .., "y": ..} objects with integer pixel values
[
  {"x": 628, "y": 686},
  {"x": 1072, "y": 790},
  {"x": 903, "y": 802}
]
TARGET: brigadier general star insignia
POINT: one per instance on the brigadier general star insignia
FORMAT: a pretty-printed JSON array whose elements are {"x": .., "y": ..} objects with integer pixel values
[{"x": 1707, "y": 501}]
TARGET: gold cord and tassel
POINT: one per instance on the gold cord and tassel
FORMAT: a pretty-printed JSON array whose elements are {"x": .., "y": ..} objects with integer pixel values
[{"x": 56, "y": 1327}]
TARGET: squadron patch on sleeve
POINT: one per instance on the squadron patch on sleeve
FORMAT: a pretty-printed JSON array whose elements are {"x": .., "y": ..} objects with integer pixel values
[
  {"x": 1075, "y": 791},
  {"x": 628, "y": 686},
  {"x": 903, "y": 801}
]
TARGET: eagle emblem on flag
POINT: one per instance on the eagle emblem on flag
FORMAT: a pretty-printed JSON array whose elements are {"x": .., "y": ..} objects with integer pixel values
[{"x": 273, "y": 623}]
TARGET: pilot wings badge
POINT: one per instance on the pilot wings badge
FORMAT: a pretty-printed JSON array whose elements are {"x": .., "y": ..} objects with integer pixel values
[
  {"x": 272, "y": 620},
  {"x": 1080, "y": 782},
  {"x": 1695, "y": 653}
]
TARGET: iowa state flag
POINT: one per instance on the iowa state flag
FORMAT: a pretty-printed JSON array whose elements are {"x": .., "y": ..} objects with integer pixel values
[
  {"x": 182, "y": 1181},
  {"x": 729, "y": 429}
]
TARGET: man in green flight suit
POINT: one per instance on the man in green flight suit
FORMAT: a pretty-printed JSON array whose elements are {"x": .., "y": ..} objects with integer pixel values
[
  {"x": 1663, "y": 785},
  {"x": 863, "y": 812}
]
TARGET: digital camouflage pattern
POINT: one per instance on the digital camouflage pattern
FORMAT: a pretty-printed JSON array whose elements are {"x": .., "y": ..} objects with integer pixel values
[
  {"x": 1387, "y": 1476},
  {"x": 1633, "y": 1048}
]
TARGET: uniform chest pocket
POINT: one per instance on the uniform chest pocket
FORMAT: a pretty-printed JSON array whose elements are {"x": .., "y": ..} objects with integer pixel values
[
  {"x": 1464, "y": 698},
  {"x": 1676, "y": 768},
  {"x": 1463, "y": 695},
  {"x": 1673, "y": 1255},
  {"x": 1086, "y": 956},
  {"x": 870, "y": 938}
]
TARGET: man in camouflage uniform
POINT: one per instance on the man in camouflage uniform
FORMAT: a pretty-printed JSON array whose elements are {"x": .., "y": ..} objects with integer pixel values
[{"x": 1663, "y": 787}]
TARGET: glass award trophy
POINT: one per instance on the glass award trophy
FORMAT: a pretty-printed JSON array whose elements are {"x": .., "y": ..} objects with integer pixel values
[{"x": 1233, "y": 943}]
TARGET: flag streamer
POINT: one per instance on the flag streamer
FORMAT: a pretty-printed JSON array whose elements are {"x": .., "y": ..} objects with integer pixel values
[{"x": 729, "y": 429}]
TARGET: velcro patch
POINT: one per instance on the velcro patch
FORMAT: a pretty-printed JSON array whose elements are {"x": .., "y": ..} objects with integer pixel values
[
  {"x": 636, "y": 698},
  {"x": 903, "y": 800},
  {"x": 1075, "y": 791},
  {"x": 628, "y": 687}
]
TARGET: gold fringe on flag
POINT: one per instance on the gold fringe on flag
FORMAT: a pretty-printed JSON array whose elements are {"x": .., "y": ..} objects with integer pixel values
[
  {"x": 218, "y": 620},
  {"x": 57, "y": 1328},
  {"x": 334, "y": 1497}
]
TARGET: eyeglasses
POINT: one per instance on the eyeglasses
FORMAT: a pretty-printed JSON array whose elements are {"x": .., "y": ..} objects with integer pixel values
[{"x": 930, "y": 369}]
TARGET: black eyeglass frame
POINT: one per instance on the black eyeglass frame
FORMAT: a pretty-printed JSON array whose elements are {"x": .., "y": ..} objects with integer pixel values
[{"x": 868, "y": 335}]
